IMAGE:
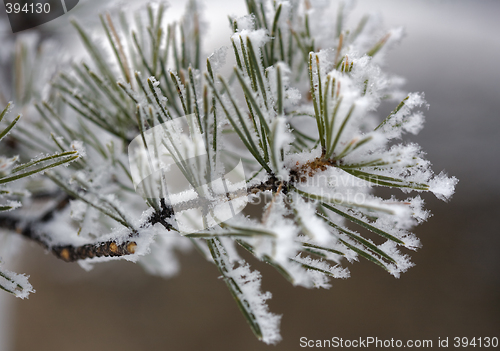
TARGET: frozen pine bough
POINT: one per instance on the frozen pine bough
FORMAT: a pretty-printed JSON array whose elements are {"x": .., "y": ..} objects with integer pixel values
[{"x": 281, "y": 120}]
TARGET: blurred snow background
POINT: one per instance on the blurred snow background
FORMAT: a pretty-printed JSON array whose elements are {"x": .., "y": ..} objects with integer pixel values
[{"x": 451, "y": 52}]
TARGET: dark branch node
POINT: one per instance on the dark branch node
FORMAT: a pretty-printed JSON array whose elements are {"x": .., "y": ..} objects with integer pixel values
[{"x": 166, "y": 211}]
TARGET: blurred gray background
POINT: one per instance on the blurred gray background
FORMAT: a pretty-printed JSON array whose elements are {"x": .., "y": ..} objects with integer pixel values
[{"x": 452, "y": 53}]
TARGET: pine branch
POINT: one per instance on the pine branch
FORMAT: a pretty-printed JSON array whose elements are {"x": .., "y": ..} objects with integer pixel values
[
  {"x": 301, "y": 132},
  {"x": 68, "y": 253}
]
